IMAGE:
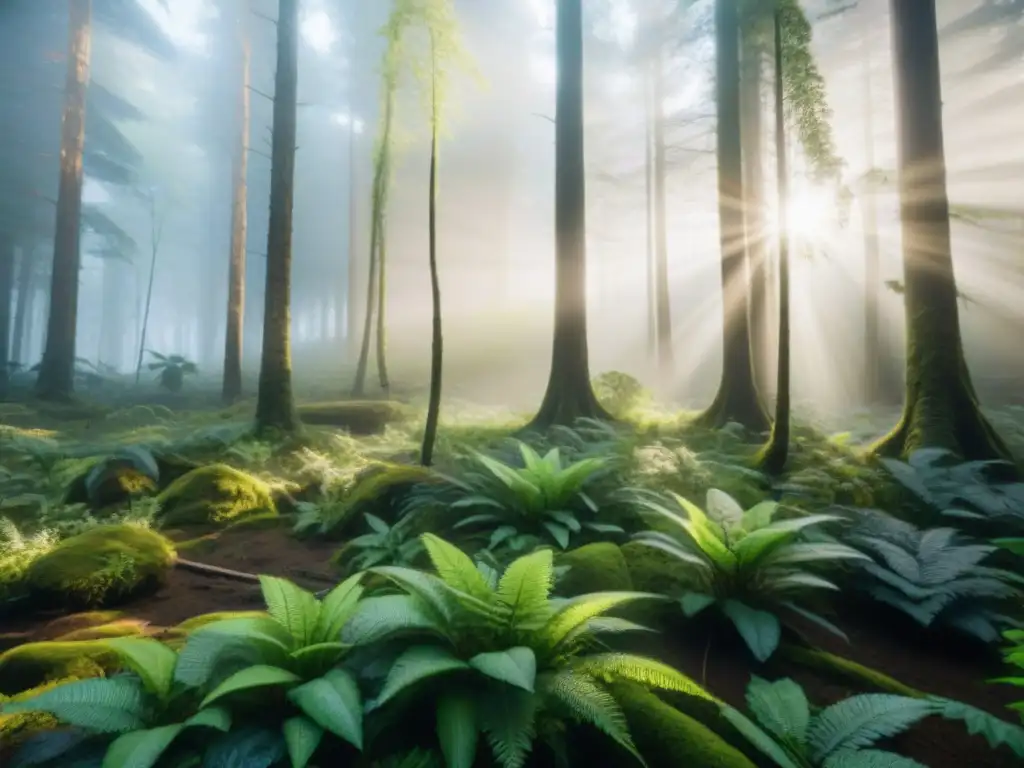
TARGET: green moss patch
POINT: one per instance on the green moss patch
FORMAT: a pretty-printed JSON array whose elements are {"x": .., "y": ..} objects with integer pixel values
[
  {"x": 838, "y": 668},
  {"x": 100, "y": 567},
  {"x": 33, "y": 664},
  {"x": 14, "y": 729},
  {"x": 358, "y": 417},
  {"x": 598, "y": 567},
  {"x": 214, "y": 495},
  {"x": 117, "y": 482}
]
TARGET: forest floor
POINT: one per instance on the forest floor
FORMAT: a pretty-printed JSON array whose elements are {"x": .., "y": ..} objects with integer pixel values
[{"x": 57, "y": 440}]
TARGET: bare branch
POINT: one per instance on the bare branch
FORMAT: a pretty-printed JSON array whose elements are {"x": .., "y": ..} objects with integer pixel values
[{"x": 261, "y": 93}]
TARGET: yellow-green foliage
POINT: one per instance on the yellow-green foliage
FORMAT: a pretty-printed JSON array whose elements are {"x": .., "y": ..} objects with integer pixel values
[
  {"x": 844, "y": 669},
  {"x": 598, "y": 567},
  {"x": 336, "y": 513},
  {"x": 17, "y": 552},
  {"x": 14, "y": 729},
  {"x": 100, "y": 567},
  {"x": 65, "y": 625},
  {"x": 190, "y": 625},
  {"x": 651, "y": 570},
  {"x": 31, "y": 664},
  {"x": 667, "y": 738},
  {"x": 359, "y": 417},
  {"x": 119, "y": 628},
  {"x": 216, "y": 494}
]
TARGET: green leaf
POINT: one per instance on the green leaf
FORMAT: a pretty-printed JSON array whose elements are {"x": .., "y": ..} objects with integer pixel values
[
  {"x": 613, "y": 666},
  {"x": 217, "y": 718},
  {"x": 301, "y": 736},
  {"x": 377, "y": 524},
  {"x": 380, "y": 617},
  {"x": 259, "y": 639},
  {"x": 695, "y": 602},
  {"x": 457, "y": 730},
  {"x": 757, "y": 737},
  {"x": 869, "y": 758},
  {"x": 861, "y": 721},
  {"x": 456, "y": 568},
  {"x": 258, "y": 676},
  {"x": 500, "y": 535},
  {"x": 577, "y": 611},
  {"x": 103, "y": 705},
  {"x": 418, "y": 663},
  {"x": 759, "y": 515},
  {"x": 558, "y": 532},
  {"x": 526, "y": 585},
  {"x": 295, "y": 608},
  {"x": 140, "y": 749},
  {"x": 781, "y": 707},
  {"x": 507, "y": 718},
  {"x": 336, "y": 608},
  {"x": 150, "y": 659},
  {"x": 515, "y": 666},
  {"x": 760, "y": 630},
  {"x": 590, "y": 703},
  {"x": 996, "y": 732},
  {"x": 246, "y": 747},
  {"x": 724, "y": 508},
  {"x": 315, "y": 660},
  {"x": 333, "y": 702}
]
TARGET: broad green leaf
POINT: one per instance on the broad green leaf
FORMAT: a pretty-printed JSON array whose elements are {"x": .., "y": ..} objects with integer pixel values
[
  {"x": 526, "y": 585},
  {"x": 861, "y": 721},
  {"x": 217, "y": 718},
  {"x": 515, "y": 666},
  {"x": 150, "y": 659},
  {"x": 507, "y": 718},
  {"x": 246, "y": 747},
  {"x": 724, "y": 508},
  {"x": 759, "y": 515},
  {"x": 781, "y": 707},
  {"x": 258, "y": 676},
  {"x": 418, "y": 663},
  {"x": 457, "y": 730},
  {"x": 869, "y": 758},
  {"x": 103, "y": 705},
  {"x": 259, "y": 639},
  {"x": 558, "y": 532},
  {"x": 577, "y": 611},
  {"x": 336, "y": 608},
  {"x": 295, "y": 608},
  {"x": 140, "y": 749},
  {"x": 456, "y": 568},
  {"x": 694, "y": 602},
  {"x": 333, "y": 702},
  {"x": 301, "y": 736},
  {"x": 760, "y": 630},
  {"x": 315, "y": 660},
  {"x": 377, "y": 524},
  {"x": 757, "y": 737},
  {"x": 380, "y": 617}
]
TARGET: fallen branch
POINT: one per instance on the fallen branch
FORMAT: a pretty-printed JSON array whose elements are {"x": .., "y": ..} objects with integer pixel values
[{"x": 213, "y": 570}]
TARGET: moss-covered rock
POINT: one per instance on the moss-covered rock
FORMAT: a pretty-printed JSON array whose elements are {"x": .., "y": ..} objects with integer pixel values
[
  {"x": 358, "y": 417},
  {"x": 101, "y": 567},
  {"x": 651, "y": 570},
  {"x": 379, "y": 488},
  {"x": 214, "y": 495},
  {"x": 598, "y": 567},
  {"x": 112, "y": 483},
  {"x": 32, "y": 664},
  {"x": 666, "y": 737}
]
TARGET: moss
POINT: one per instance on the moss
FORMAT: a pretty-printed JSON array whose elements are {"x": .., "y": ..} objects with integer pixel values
[
  {"x": 651, "y": 570},
  {"x": 844, "y": 669},
  {"x": 117, "y": 482},
  {"x": 120, "y": 628},
  {"x": 667, "y": 738},
  {"x": 216, "y": 494},
  {"x": 190, "y": 625},
  {"x": 359, "y": 417},
  {"x": 75, "y": 622},
  {"x": 100, "y": 567},
  {"x": 598, "y": 567},
  {"x": 16, "y": 728},
  {"x": 32, "y": 664}
]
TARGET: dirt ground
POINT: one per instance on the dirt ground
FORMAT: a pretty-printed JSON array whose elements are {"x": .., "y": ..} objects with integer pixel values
[{"x": 942, "y": 671}]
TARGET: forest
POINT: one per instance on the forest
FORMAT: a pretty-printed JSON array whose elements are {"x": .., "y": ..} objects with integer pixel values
[{"x": 449, "y": 384}]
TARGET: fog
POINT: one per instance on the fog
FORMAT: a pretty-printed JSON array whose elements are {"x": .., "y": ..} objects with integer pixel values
[{"x": 496, "y": 225}]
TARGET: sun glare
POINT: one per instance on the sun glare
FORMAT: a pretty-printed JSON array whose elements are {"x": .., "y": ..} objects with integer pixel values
[
  {"x": 810, "y": 212},
  {"x": 318, "y": 31}
]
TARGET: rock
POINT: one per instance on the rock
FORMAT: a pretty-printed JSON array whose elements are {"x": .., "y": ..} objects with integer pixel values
[{"x": 214, "y": 495}]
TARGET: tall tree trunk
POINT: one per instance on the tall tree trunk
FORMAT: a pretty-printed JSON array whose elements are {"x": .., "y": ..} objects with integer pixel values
[
  {"x": 652, "y": 291},
  {"x": 231, "y": 388},
  {"x": 753, "y": 208},
  {"x": 436, "y": 337},
  {"x": 738, "y": 399},
  {"x": 23, "y": 306},
  {"x": 6, "y": 302},
  {"x": 56, "y": 379},
  {"x": 663, "y": 316},
  {"x": 941, "y": 409},
  {"x": 352, "y": 303},
  {"x": 569, "y": 395},
  {"x": 382, "y": 294},
  {"x": 776, "y": 453},
  {"x": 275, "y": 405}
]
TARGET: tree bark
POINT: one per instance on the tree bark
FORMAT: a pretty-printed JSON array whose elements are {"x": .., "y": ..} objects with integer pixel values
[
  {"x": 940, "y": 409},
  {"x": 275, "y": 405},
  {"x": 56, "y": 379},
  {"x": 569, "y": 395},
  {"x": 6, "y": 301},
  {"x": 233, "y": 337},
  {"x": 663, "y": 310},
  {"x": 738, "y": 399},
  {"x": 436, "y": 336}
]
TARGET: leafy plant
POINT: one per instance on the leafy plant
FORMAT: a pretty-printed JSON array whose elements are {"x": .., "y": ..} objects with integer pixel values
[
  {"x": 968, "y": 490},
  {"x": 743, "y": 562},
  {"x": 495, "y": 654},
  {"x": 542, "y": 502},
  {"x": 386, "y": 544},
  {"x": 172, "y": 370},
  {"x": 793, "y": 734},
  {"x": 1013, "y": 655},
  {"x": 933, "y": 576}
]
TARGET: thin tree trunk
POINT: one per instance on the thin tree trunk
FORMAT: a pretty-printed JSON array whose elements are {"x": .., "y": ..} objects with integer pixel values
[
  {"x": 569, "y": 395},
  {"x": 352, "y": 287},
  {"x": 382, "y": 283},
  {"x": 23, "y": 306},
  {"x": 436, "y": 337},
  {"x": 6, "y": 302},
  {"x": 275, "y": 405},
  {"x": 663, "y": 320},
  {"x": 652, "y": 301},
  {"x": 941, "y": 409},
  {"x": 359, "y": 386},
  {"x": 234, "y": 334},
  {"x": 56, "y": 379},
  {"x": 155, "y": 249},
  {"x": 738, "y": 399},
  {"x": 776, "y": 453}
]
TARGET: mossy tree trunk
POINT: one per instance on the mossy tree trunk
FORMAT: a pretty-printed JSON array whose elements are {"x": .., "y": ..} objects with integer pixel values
[
  {"x": 569, "y": 395},
  {"x": 776, "y": 453},
  {"x": 662, "y": 303},
  {"x": 941, "y": 409},
  {"x": 6, "y": 306},
  {"x": 56, "y": 379},
  {"x": 232, "y": 384},
  {"x": 275, "y": 405},
  {"x": 738, "y": 399}
]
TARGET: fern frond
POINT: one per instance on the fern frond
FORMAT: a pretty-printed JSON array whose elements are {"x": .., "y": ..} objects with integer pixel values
[
  {"x": 862, "y": 720},
  {"x": 586, "y": 701},
  {"x": 611, "y": 667},
  {"x": 525, "y": 587},
  {"x": 103, "y": 705}
]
